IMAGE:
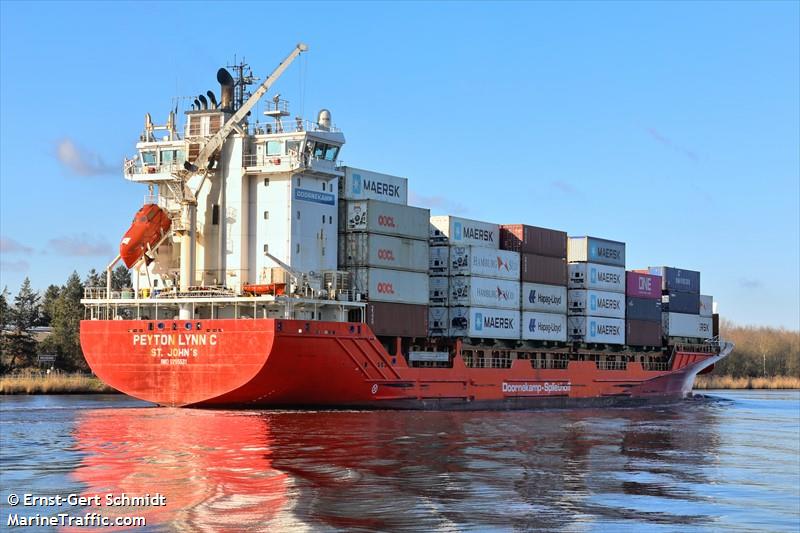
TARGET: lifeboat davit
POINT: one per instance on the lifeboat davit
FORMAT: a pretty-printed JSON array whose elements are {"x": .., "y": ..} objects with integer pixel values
[{"x": 149, "y": 224}]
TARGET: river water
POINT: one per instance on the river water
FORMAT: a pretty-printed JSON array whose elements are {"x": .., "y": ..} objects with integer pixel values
[{"x": 729, "y": 460}]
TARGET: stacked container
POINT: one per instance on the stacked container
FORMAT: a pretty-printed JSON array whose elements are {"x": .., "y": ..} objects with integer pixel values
[
  {"x": 596, "y": 290},
  {"x": 642, "y": 309},
  {"x": 383, "y": 244},
  {"x": 681, "y": 316},
  {"x": 543, "y": 279}
]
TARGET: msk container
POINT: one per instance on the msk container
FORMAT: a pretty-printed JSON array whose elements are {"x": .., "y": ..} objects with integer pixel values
[
  {"x": 678, "y": 279},
  {"x": 596, "y": 276},
  {"x": 646, "y": 309},
  {"x": 397, "y": 320},
  {"x": 706, "y": 305},
  {"x": 486, "y": 262},
  {"x": 398, "y": 286},
  {"x": 640, "y": 285},
  {"x": 544, "y": 326},
  {"x": 596, "y": 303},
  {"x": 438, "y": 324},
  {"x": 439, "y": 289},
  {"x": 382, "y": 251},
  {"x": 359, "y": 184},
  {"x": 381, "y": 217},
  {"x": 544, "y": 298},
  {"x": 642, "y": 332},
  {"x": 594, "y": 250},
  {"x": 533, "y": 240},
  {"x": 439, "y": 260},
  {"x": 681, "y": 302},
  {"x": 543, "y": 269},
  {"x": 463, "y": 231},
  {"x": 475, "y": 291},
  {"x": 684, "y": 325},
  {"x": 484, "y": 323},
  {"x": 596, "y": 329}
]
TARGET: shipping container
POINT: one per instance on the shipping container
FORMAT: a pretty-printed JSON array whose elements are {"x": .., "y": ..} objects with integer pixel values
[
  {"x": 486, "y": 262},
  {"x": 596, "y": 303},
  {"x": 685, "y": 325},
  {"x": 397, "y": 320},
  {"x": 706, "y": 305},
  {"x": 475, "y": 291},
  {"x": 439, "y": 289},
  {"x": 643, "y": 332},
  {"x": 359, "y": 184},
  {"x": 597, "y": 277},
  {"x": 543, "y": 269},
  {"x": 383, "y": 251},
  {"x": 484, "y": 323},
  {"x": 678, "y": 279},
  {"x": 641, "y": 285},
  {"x": 544, "y": 298},
  {"x": 398, "y": 286},
  {"x": 715, "y": 325},
  {"x": 438, "y": 323},
  {"x": 643, "y": 309},
  {"x": 533, "y": 240},
  {"x": 544, "y": 326},
  {"x": 596, "y": 329},
  {"x": 387, "y": 219},
  {"x": 681, "y": 302},
  {"x": 594, "y": 250},
  {"x": 439, "y": 260},
  {"x": 463, "y": 231}
]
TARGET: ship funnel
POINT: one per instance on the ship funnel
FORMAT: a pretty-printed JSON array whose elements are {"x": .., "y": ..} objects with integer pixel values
[
  {"x": 203, "y": 101},
  {"x": 324, "y": 119},
  {"x": 226, "y": 83},
  {"x": 212, "y": 99},
  {"x": 197, "y": 104}
]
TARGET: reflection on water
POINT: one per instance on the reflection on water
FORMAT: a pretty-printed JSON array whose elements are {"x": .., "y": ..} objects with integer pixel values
[{"x": 705, "y": 464}]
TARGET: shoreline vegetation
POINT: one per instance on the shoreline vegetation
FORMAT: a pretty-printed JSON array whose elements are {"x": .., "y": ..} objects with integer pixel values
[{"x": 708, "y": 382}]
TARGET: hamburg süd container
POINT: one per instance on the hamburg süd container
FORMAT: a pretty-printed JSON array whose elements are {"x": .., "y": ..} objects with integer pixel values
[
  {"x": 381, "y": 217},
  {"x": 439, "y": 260},
  {"x": 596, "y": 329},
  {"x": 706, "y": 305},
  {"x": 594, "y": 250},
  {"x": 486, "y": 262},
  {"x": 642, "y": 332},
  {"x": 640, "y": 285},
  {"x": 359, "y": 184},
  {"x": 544, "y": 298},
  {"x": 475, "y": 291},
  {"x": 544, "y": 326},
  {"x": 543, "y": 269},
  {"x": 439, "y": 290},
  {"x": 463, "y": 231},
  {"x": 685, "y": 325},
  {"x": 383, "y": 251},
  {"x": 484, "y": 323},
  {"x": 596, "y": 303},
  {"x": 646, "y": 309},
  {"x": 681, "y": 302},
  {"x": 533, "y": 240},
  {"x": 438, "y": 324},
  {"x": 397, "y": 320},
  {"x": 397, "y": 286},
  {"x": 596, "y": 276},
  {"x": 678, "y": 279}
]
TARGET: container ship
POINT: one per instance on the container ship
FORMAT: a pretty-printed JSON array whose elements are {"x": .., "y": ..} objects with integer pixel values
[{"x": 267, "y": 273}]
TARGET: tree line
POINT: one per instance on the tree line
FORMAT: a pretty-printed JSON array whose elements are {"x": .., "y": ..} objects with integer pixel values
[{"x": 760, "y": 351}]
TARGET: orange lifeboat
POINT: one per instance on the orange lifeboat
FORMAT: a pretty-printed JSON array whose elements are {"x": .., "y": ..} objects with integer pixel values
[
  {"x": 276, "y": 289},
  {"x": 149, "y": 224}
]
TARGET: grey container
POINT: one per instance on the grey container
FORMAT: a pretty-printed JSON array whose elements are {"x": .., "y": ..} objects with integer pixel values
[
  {"x": 677, "y": 279},
  {"x": 681, "y": 302},
  {"x": 645, "y": 309}
]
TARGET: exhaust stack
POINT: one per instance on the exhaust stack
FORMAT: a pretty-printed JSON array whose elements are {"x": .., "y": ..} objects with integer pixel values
[
  {"x": 226, "y": 84},
  {"x": 212, "y": 99},
  {"x": 203, "y": 101}
]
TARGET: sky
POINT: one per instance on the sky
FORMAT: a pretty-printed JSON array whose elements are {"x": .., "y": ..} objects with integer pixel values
[{"x": 674, "y": 127}]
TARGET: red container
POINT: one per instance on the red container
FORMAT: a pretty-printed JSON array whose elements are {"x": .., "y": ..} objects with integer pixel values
[
  {"x": 397, "y": 320},
  {"x": 542, "y": 269},
  {"x": 533, "y": 240},
  {"x": 642, "y": 333},
  {"x": 639, "y": 285}
]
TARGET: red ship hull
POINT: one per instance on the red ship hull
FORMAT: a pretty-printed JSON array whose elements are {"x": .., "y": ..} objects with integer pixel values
[{"x": 290, "y": 363}]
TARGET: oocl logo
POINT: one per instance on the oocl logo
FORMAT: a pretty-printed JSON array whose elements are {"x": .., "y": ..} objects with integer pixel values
[
  {"x": 386, "y": 221},
  {"x": 385, "y": 288},
  {"x": 385, "y": 255}
]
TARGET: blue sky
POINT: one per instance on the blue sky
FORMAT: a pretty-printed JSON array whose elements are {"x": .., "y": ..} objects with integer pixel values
[{"x": 674, "y": 127}]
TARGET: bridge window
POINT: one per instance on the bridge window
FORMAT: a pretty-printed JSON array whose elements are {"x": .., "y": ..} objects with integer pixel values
[
  {"x": 331, "y": 152},
  {"x": 274, "y": 147},
  {"x": 149, "y": 157},
  {"x": 292, "y": 147}
]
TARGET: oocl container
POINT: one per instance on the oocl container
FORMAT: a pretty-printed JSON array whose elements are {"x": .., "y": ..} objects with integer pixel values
[
  {"x": 439, "y": 260},
  {"x": 596, "y": 303},
  {"x": 678, "y": 279},
  {"x": 543, "y": 269},
  {"x": 646, "y": 309},
  {"x": 596, "y": 329},
  {"x": 642, "y": 332},
  {"x": 681, "y": 302},
  {"x": 642, "y": 285},
  {"x": 397, "y": 286},
  {"x": 486, "y": 262},
  {"x": 484, "y": 292},
  {"x": 596, "y": 276},
  {"x": 359, "y": 184},
  {"x": 533, "y": 240},
  {"x": 484, "y": 323},
  {"x": 438, "y": 323},
  {"x": 544, "y": 326},
  {"x": 706, "y": 305},
  {"x": 383, "y": 251},
  {"x": 685, "y": 325},
  {"x": 439, "y": 289},
  {"x": 397, "y": 320},
  {"x": 594, "y": 250},
  {"x": 388, "y": 219},
  {"x": 544, "y": 298},
  {"x": 457, "y": 230}
]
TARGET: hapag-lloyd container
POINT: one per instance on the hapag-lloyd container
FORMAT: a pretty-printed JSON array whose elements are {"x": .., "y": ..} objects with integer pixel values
[
  {"x": 533, "y": 240},
  {"x": 484, "y": 323},
  {"x": 646, "y": 309},
  {"x": 543, "y": 269},
  {"x": 486, "y": 262},
  {"x": 685, "y": 325},
  {"x": 596, "y": 303},
  {"x": 398, "y": 286},
  {"x": 544, "y": 326},
  {"x": 385, "y": 218},
  {"x": 383, "y": 251},
  {"x": 678, "y": 279},
  {"x": 706, "y": 305},
  {"x": 438, "y": 323},
  {"x": 397, "y": 320},
  {"x": 439, "y": 260},
  {"x": 463, "y": 231},
  {"x": 596, "y": 329},
  {"x": 359, "y": 184},
  {"x": 642, "y": 332},
  {"x": 484, "y": 292},
  {"x": 596, "y": 276},
  {"x": 544, "y": 298},
  {"x": 640, "y": 285},
  {"x": 439, "y": 289},
  {"x": 681, "y": 302},
  {"x": 594, "y": 250}
]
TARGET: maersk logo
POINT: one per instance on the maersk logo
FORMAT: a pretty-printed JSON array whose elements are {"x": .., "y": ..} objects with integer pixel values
[
  {"x": 378, "y": 187},
  {"x": 593, "y": 302},
  {"x": 593, "y": 275},
  {"x": 314, "y": 196},
  {"x": 356, "y": 183},
  {"x": 478, "y": 321},
  {"x": 592, "y": 329},
  {"x": 608, "y": 253},
  {"x": 457, "y": 231}
]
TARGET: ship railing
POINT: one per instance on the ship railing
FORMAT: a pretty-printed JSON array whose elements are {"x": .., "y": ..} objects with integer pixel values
[
  {"x": 557, "y": 364},
  {"x": 134, "y": 168},
  {"x": 288, "y": 126},
  {"x": 611, "y": 365},
  {"x": 655, "y": 366},
  {"x": 271, "y": 161}
]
